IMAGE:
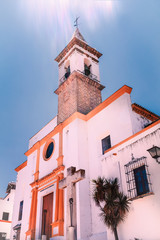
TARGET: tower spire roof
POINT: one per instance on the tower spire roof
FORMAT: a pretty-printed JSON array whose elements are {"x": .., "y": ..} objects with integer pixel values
[
  {"x": 77, "y": 39},
  {"x": 78, "y": 35}
]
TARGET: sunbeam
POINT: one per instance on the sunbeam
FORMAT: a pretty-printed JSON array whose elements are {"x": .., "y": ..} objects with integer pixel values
[{"x": 59, "y": 15}]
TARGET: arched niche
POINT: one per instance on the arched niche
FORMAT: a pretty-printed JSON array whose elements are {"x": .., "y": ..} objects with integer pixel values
[
  {"x": 87, "y": 66},
  {"x": 67, "y": 69}
]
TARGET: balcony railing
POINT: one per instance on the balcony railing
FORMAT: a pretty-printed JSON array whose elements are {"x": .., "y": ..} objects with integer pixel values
[{"x": 91, "y": 76}]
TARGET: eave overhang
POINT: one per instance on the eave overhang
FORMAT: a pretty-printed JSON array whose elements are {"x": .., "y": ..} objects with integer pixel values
[{"x": 76, "y": 41}]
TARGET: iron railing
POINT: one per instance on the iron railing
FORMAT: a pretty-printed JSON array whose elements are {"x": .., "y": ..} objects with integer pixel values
[
  {"x": 130, "y": 176},
  {"x": 91, "y": 76}
]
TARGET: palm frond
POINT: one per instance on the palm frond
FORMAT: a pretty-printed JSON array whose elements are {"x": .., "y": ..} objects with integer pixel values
[{"x": 115, "y": 203}]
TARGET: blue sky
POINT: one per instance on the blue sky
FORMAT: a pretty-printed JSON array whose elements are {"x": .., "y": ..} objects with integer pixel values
[{"x": 33, "y": 32}]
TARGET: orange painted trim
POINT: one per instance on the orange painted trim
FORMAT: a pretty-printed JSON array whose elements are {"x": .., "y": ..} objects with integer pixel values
[
  {"x": 100, "y": 107},
  {"x": 43, "y": 140},
  {"x": 60, "y": 160},
  {"x": 59, "y": 209},
  {"x": 35, "y": 146},
  {"x": 45, "y": 149},
  {"x": 144, "y": 112},
  {"x": 61, "y": 212},
  {"x": 20, "y": 167},
  {"x": 108, "y": 101},
  {"x": 33, "y": 214},
  {"x": 73, "y": 117},
  {"x": 47, "y": 178},
  {"x": 61, "y": 142},
  {"x": 57, "y": 201},
  {"x": 28, "y": 233},
  {"x": 36, "y": 174},
  {"x": 134, "y": 135},
  {"x": 38, "y": 186},
  {"x": 46, "y": 186},
  {"x": 5, "y": 221},
  {"x": 60, "y": 225}
]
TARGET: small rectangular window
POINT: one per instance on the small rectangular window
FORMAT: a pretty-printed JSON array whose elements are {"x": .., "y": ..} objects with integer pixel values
[
  {"x": 106, "y": 144},
  {"x": 5, "y": 216},
  {"x": 20, "y": 211},
  {"x": 138, "y": 177},
  {"x": 3, "y": 236},
  {"x": 141, "y": 180}
]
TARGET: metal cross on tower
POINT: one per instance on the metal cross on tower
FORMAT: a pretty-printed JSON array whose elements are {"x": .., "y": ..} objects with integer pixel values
[{"x": 76, "y": 22}]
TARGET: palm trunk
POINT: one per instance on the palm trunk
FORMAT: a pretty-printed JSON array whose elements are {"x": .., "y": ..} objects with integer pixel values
[{"x": 115, "y": 233}]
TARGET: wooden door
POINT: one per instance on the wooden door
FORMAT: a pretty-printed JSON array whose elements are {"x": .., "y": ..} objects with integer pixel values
[{"x": 47, "y": 215}]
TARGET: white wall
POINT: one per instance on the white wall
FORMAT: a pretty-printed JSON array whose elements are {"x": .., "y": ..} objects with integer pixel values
[
  {"x": 6, "y": 205},
  {"x": 77, "y": 62},
  {"x": 43, "y": 132},
  {"x": 82, "y": 148},
  {"x": 139, "y": 122},
  {"x": 75, "y": 142},
  {"x": 46, "y": 167},
  {"x": 144, "y": 215},
  {"x": 23, "y": 193}
]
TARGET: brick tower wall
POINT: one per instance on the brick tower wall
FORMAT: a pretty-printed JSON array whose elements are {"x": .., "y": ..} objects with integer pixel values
[
  {"x": 67, "y": 100},
  {"x": 77, "y": 94},
  {"x": 89, "y": 96}
]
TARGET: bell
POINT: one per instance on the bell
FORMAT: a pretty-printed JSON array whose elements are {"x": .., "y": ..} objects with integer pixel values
[
  {"x": 67, "y": 75},
  {"x": 87, "y": 72}
]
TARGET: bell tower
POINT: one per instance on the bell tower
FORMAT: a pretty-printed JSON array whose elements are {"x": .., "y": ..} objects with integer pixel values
[{"x": 79, "y": 87}]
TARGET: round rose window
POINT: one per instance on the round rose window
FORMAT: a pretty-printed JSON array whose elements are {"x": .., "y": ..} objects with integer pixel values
[{"x": 48, "y": 150}]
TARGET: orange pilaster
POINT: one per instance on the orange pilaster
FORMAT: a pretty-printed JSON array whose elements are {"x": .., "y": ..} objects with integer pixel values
[
  {"x": 59, "y": 211},
  {"x": 60, "y": 158},
  {"x": 36, "y": 175},
  {"x": 33, "y": 214}
]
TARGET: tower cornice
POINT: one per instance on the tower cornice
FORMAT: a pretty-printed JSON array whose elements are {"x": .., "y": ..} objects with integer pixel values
[
  {"x": 76, "y": 41},
  {"x": 82, "y": 77}
]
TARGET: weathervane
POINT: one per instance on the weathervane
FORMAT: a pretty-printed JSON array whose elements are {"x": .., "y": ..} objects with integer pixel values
[{"x": 76, "y": 22}]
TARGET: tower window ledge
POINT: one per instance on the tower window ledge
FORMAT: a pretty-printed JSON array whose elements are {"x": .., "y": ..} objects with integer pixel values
[
  {"x": 91, "y": 76},
  {"x": 64, "y": 78}
]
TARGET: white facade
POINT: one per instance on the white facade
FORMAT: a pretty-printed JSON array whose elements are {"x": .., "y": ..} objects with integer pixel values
[
  {"x": 6, "y": 209},
  {"x": 78, "y": 142}
]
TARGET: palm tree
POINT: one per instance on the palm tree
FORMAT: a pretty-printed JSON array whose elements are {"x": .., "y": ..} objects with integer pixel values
[{"x": 112, "y": 203}]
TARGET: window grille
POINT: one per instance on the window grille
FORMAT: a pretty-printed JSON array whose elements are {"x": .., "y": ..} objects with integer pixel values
[
  {"x": 20, "y": 210},
  {"x": 5, "y": 216},
  {"x": 106, "y": 143},
  {"x": 137, "y": 177}
]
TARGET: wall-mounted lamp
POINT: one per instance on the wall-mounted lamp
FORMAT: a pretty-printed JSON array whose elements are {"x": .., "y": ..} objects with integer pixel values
[
  {"x": 155, "y": 153},
  {"x": 71, "y": 210}
]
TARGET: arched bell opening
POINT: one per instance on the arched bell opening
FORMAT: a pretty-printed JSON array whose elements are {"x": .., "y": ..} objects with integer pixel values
[
  {"x": 87, "y": 67},
  {"x": 67, "y": 69}
]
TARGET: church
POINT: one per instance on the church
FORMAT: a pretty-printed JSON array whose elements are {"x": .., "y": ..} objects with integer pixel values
[{"x": 88, "y": 138}]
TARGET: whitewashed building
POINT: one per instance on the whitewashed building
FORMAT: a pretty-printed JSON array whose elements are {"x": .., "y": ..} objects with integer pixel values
[
  {"x": 108, "y": 138},
  {"x": 6, "y": 209}
]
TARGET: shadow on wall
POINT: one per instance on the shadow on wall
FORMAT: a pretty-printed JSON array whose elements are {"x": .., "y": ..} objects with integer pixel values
[{"x": 136, "y": 239}]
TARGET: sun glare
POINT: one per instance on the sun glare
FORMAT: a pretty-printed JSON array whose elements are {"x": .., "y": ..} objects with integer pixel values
[{"x": 58, "y": 15}]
